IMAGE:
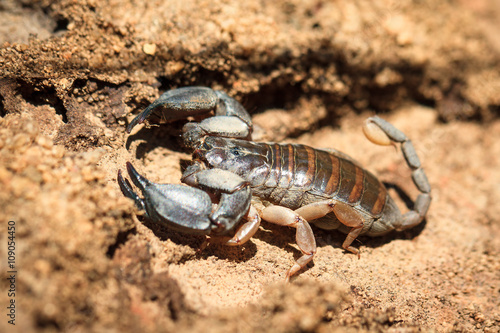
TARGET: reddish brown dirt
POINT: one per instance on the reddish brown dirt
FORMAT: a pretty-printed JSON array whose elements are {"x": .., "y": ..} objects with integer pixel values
[{"x": 74, "y": 73}]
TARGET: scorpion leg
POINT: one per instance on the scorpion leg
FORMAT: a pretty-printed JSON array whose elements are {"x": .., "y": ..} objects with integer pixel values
[
  {"x": 304, "y": 235},
  {"x": 247, "y": 230},
  {"x": 382, "y": 132},
  {"x": 344, "y": 213}
]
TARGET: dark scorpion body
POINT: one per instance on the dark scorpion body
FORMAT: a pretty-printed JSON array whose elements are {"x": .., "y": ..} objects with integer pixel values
[{"x": 235, "y": 182}]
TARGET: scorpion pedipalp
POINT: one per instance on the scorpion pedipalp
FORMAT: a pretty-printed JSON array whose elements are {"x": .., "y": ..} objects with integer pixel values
[
  {"x": 181, "y": 208},
  {"x": 189, "y": 209}
]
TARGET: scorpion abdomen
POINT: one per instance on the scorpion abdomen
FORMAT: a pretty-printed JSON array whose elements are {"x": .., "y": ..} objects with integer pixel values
[{"x": 299, "y": 174}]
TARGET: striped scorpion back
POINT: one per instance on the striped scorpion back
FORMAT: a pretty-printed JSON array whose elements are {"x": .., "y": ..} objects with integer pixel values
[
  {"x": 299, "y": 175},
  {"x": 293, "y": 176}
]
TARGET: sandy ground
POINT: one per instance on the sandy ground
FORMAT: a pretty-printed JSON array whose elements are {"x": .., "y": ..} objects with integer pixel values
[{"x": 74, "y": 73}]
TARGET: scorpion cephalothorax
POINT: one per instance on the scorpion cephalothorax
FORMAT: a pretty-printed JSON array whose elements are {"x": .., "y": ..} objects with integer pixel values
[{"x": 285, "y": 184}]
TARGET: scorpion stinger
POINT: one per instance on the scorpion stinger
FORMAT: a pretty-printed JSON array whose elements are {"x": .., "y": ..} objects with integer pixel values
[{"x": 382, "y": 132}]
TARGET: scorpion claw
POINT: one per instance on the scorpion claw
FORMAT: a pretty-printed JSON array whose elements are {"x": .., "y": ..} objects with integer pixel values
[
  {"x": 189, "y": 209},
  {"x": 127, "y": 190},
  {"x": 178, "y": 104},
  {"x": 139, "y": 119},
  {"x": 230, "y": 120},
  {"x": 138, "y": 180},
  {"x": 181, "y": 208}
]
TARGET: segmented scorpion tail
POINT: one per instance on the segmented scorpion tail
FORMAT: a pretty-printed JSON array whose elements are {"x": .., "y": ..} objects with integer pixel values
[{"x": 381, "y": 132}]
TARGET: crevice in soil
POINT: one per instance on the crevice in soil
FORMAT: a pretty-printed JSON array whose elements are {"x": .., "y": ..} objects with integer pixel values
[
  {"x": 279, "y": 95},
  {"x": 39, "y": 94},
  {"x": 2, "y": 108}
]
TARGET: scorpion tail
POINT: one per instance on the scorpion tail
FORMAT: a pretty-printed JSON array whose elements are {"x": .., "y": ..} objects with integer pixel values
[{"x": 381, "y": 132}]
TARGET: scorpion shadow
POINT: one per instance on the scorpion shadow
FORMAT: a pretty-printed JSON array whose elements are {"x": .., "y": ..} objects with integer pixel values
[
  {"x": 334, "y": 238},
  {"x": 233, "y": 253},
  {"x": 280, "y": 237},
  {"x": 167, "y": 136}
]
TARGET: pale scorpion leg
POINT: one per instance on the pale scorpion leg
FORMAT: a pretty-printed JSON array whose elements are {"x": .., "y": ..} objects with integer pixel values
[
  {"x": 242, "y": 234},
  {"x": 247, "y": 230},
  {"x": 381, "y": 132},
  {"x": 304, "y": 236},
  {"x": 344, "y": 213}
]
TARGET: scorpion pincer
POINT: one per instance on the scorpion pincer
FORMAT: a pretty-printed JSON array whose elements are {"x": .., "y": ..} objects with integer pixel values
[{"x": 234, "y": 182}]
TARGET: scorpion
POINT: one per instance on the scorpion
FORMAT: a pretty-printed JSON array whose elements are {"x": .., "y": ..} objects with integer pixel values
[{"x": 234, "y": 182}]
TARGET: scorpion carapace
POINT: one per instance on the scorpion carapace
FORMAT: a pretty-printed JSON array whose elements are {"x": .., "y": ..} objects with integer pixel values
[{"x": 286, "y": 184}]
